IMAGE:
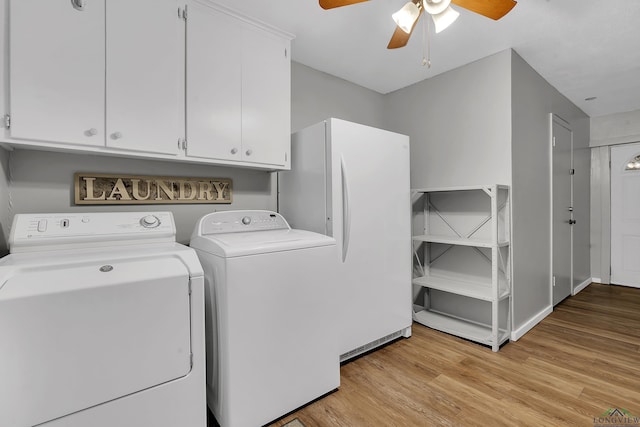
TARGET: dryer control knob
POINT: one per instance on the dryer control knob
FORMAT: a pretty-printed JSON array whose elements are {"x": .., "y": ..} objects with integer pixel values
[
  {"x": 246, "y": 220},
  {"x": 150, "y": 221}
]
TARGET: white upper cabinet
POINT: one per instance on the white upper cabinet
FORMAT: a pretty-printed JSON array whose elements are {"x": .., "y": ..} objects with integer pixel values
[
  {"x": 186, "y": 80},
  {"x": 238, "y": 89},
  {"x": 143, "y": 109},
  {"x": 57, "y": 71},
  {"x": 266, "y": 97},
  {"x": 214, "y": 85},
  {"x": 96, "y": 73}
]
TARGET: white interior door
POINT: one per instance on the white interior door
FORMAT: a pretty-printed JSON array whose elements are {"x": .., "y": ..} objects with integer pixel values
[
  {"x": 625, "y": 215},
  {"x": 562, "y": 216}
]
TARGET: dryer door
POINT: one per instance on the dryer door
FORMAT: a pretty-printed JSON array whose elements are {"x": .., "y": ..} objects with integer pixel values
[{"x": 72, "y": 337}]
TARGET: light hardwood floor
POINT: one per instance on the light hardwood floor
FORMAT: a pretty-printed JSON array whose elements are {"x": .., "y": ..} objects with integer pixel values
[{"x": 579, "y": 362}]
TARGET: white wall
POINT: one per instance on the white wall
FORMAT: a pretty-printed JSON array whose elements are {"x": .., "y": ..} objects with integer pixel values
[
  {"x": 316, "y": 96},
  {"x": 617, "y": 128},
  {"x": 613, "y": 129},
  {"x": 43, "y": 182},
  {"x": 533, "y": 100},
  {"x": 459, "y": 124}
]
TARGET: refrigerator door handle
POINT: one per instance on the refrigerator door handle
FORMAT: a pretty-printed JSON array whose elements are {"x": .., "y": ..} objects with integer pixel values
[{"x": 346, "y": 214}]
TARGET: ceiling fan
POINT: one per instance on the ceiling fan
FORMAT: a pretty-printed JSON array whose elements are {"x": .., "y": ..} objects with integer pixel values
[{"x": 440, "y": 10}]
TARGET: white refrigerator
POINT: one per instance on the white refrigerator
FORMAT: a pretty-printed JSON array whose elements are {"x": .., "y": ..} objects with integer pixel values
[{"x": 351, "y": 182}]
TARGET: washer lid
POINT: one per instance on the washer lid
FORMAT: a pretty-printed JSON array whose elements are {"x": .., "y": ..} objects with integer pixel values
[
  {"x": 82, "y": 334},
  {"x": 259, "y": 242}
]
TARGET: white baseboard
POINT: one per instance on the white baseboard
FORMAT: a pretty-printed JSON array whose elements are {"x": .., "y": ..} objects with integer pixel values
[
  {"x": 518, "y": 333},
  {"x": 596, "y": 280},
  {"x": 584, "y": 284}
]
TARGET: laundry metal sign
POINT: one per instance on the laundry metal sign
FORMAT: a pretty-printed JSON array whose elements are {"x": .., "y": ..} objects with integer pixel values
[{"x": 103, "y": 189}]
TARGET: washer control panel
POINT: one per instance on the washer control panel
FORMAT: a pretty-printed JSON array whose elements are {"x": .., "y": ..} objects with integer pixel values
[
  {"x": 150, "y": 221},
  {"x": 43, "y": 231},
  {"x": 238, "y": 221}
]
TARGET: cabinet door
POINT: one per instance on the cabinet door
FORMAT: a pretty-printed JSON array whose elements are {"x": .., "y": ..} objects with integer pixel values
[
  {"x": 143, "y": 75},
  {"x": 213, "y": 84},
  {"x": 57, "y": 71},
  {"x": 266, "y": 97}
]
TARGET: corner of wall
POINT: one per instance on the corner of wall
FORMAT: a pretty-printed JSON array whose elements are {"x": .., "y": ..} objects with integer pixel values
[
  {"x": 5, "y": 203},
  {"x": 519, "y": 332}
]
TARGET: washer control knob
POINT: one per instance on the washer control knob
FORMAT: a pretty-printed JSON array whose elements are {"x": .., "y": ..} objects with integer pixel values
[
  {"x": 246, "y": 220},
  {"x": 150, "y": 221}
]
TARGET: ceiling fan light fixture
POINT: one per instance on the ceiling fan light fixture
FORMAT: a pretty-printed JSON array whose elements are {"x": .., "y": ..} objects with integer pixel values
[
  {"x": 406, "y": 17},
  {"x": 444, "y": 19},
  {"x": 435, "y": 7}
]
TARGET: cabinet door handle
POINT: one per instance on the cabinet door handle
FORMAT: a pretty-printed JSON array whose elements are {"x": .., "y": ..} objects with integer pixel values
[
  {"x": 234, "y": 150},
  {"x": 248, "y": 152},
  {"x": 78, "y": 4},
  {"x": 92, "y": 132},
  {"x": 116, "y": 135}
]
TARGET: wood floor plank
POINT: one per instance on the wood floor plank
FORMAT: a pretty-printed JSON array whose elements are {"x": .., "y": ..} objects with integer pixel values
[{"x": 579, "y": 362}]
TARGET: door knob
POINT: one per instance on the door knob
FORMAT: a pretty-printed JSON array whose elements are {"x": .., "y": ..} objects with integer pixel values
[
  {"x": 91, "y": 132},
  {"x": 248, "y": 152},
  {"x": 78, "y": 4},
  {"x": 116, "y": 135},
  {"x": 234, "y": 150}
]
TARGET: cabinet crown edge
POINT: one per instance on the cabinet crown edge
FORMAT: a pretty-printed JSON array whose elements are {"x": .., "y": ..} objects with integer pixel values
[{"x": 245, "y": 18}]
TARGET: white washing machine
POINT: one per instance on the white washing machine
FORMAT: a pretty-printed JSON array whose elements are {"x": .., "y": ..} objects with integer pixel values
[
  {"x": 101, "y": 323},
  {"x": 270, "y": 322}
]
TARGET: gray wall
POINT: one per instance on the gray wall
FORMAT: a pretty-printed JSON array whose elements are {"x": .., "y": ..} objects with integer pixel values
[
  {"x": 533, "y": 101},
  {"x": 459, "y": 123},
  {"x": 43, "y": 182},
  {"x": 488, "y": 122},
  {"x": 5, "y": 208},
  {"x": 316, "y": 96}
]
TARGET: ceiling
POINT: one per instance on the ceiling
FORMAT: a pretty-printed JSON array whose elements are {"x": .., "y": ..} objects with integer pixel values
[{"x": 584, "y": 48}]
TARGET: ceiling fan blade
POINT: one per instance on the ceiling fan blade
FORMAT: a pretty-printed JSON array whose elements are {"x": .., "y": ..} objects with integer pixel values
[
  {"x": 399, "y": 37},
  {"x": 494, "y": 9},
  {"x": 330, "y": 4}
]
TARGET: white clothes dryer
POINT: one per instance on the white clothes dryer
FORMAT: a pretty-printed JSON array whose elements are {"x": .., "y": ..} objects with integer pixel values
[
  {"x": 271, "y": 338},
  {"x": 101, "y": 323}
]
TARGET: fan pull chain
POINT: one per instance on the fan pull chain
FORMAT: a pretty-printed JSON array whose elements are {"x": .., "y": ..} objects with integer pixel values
[{"x": 426, "y": 43}]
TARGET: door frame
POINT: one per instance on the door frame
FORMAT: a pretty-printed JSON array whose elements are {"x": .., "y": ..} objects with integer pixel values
[{"x": 554, "y": 118}]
